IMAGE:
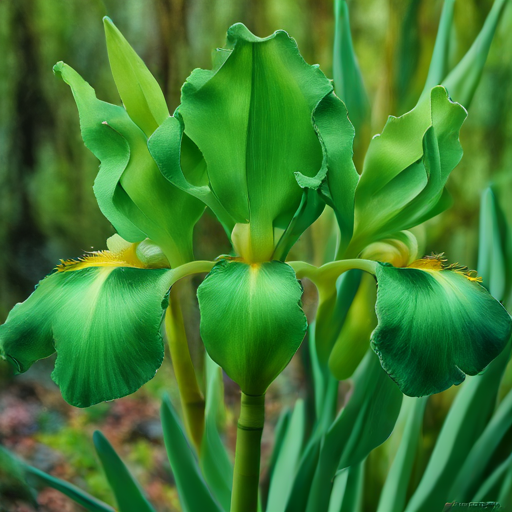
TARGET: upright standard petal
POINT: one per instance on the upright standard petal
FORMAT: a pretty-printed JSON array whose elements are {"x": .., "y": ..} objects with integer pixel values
[
  {"x": 406, "y": 168},
  {"x": 436, "y": 323},
  {"x": 131, "y": 191},
  {"x": 252, "y": 321},
  {"x": 251, "y": 117},
  {"x": 102, "y": 315}
]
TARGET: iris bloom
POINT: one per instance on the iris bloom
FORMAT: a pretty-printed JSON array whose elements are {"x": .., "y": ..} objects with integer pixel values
[{"x": 262, "y": 140}]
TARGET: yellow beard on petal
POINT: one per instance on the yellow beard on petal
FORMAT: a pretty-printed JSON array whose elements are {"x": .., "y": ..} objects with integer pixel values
[
  {"x": 437, "y": 262},
  {"x": 125, "y": 258}
]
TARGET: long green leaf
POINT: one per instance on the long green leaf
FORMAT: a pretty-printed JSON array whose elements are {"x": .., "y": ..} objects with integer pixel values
[
  {"x": 287, "y": 461},
  {"x": 215, "y": 462},
  {"x": 439, "y": 63},
  {"x": 463, "y": 80},
  {"x": 393, "y": 496},
  {"x": 407, "y": 54},
  {"x": 279, "y": 436},
  {"x": 491, "y": 258},
  {"x": 129, "y": 495},
  {"x": 347, "y": 490},
  {"x": 193, "y": 492},
  {"x": 505, "y": 496},
  {"x": 71, "y": 491},
  {"x": 348, "y": 81},
  {"x": 491, "y": 486},
  {"x": 365, "y": 423},
  {"x": 302, "y": 483},
  {"x": 471, "y": 472},
  {"x": 460, "y": 431}
]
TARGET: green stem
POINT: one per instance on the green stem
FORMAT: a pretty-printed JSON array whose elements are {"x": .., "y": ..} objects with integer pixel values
[
  {"x": 246, "y": 473},
  {"x": 192, "y": 400}
]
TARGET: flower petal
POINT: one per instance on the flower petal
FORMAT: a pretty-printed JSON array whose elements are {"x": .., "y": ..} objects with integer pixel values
[
  {"x": 103, "y": 318},
  {"x": 131, "y": 191},
  {"x": 251, "y": 118},
  {"x": 252, "y": 322},
  {"x": 435, "y": 325}
]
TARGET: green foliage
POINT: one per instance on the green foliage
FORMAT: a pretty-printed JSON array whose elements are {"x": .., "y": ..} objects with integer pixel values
[
  {"x": 262, "y": 140},
  {"x": 129, "y": 495}
]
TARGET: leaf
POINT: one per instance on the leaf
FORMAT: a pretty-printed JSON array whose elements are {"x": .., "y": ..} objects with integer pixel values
[
  {"x": 215, "y": 463},
  {"x": 407, "y": 54},
  {"x": 140, "y": 92},
  {"x": 348, "y": 81},
  {"x": 13, "y": 483},
  {"x": 393, "y": 495},
  {"x": 251, "y": 118},
  {"x": 435, "y": 325},
  {"x": 491, "y": 259},
  {"x": 347, "y": 489},
  {"x": 366, "y": 422},
  {"x": 302, "y": 482},
  {"x": 71, "y": 491},
  {"x": 461, "y": 429},
  {"x": 193, "y": 492},
  {"x": 288, "y": 461},
  {"x": 472, "y": 471},
  {"x": 129, "y": 495},
  {"x": 131, "y": 191},
  {"x": 463, "y": 80},
  {"x": 490, "y": 487},
  {"x": 439, "y": 63},
  {"x": 406, "y": 169},
  {"x": 252, "y": 321},
  {"x": 354, "y": 338},
  {"x": 103, "y": 321}
]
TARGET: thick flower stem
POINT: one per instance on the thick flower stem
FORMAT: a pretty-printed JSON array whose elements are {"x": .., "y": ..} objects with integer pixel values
[
  {"x": 192, "y": 400},
  {"x": 246, "y": 473}
]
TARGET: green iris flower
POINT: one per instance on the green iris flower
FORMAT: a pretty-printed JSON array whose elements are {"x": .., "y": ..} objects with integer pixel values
[{"x": 262, "y": 140}]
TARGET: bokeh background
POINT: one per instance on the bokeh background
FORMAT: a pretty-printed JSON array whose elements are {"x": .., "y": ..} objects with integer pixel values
[{"x": 48, "y": 210}]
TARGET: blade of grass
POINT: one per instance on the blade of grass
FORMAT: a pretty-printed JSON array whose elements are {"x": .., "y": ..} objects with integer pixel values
[
  {"x": 464, "y": 78},
  {"x": 471, "y": 472},
  {"x": 491, "y": 486},
  {"x": 215, "y": 462},
  {"x": 365, "y": 423},
  {"x": 348, "y": 80},
  {"x": 347, "y": 490},
  {"x": 505, "y": 496},
  {"x": 460, "y": 430},
  {"x": 128, "y": 493},
  {"x": 192, "y": 490},
  {"x": 287, "y": 461},
  {"x": 491, "y": 258},
  {"x": 439, "y": 64},
  {"x": 71, "y": 491},
  {"x": 302, "y": 483},
  {"x": 393, "y": 495}
]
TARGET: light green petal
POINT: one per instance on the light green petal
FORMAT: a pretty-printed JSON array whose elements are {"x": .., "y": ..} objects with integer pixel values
[
  {"x": 434, "y": 327},
  {"x": 251, "y": 320},
  {"x": 337, "y": 135},
  {"x": 406, "y": 169},
  {"x": 142, "y": 97},
  {"x": 251, "y": 119},
  {"x": 104, "y": 323},
  {"x": 130, "y": 189}
]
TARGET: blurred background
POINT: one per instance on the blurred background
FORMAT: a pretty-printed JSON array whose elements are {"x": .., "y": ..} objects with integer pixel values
[{"x": 48, "y": 210}]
